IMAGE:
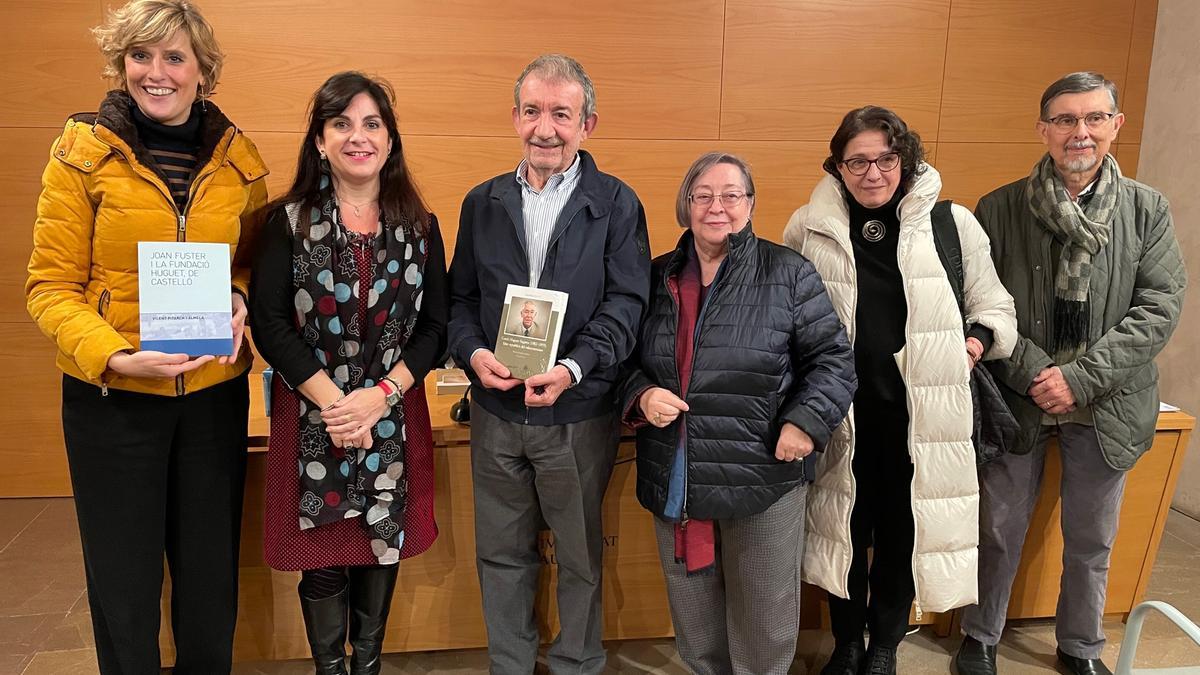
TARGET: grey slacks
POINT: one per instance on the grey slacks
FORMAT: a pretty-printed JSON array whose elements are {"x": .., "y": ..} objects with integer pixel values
[
  {"x": 1091, "y": 493},
  {"x": 522, "y": 475},
  {"x": 745, "y": 618}
]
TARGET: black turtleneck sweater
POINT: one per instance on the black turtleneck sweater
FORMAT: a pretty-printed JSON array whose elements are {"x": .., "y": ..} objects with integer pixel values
[
  {"x": 881, "y": 409},
  {"x": 174, "y": 149}
]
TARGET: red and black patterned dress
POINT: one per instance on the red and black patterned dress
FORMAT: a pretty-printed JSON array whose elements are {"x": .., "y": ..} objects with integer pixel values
[{"x": 285, "y": 546}]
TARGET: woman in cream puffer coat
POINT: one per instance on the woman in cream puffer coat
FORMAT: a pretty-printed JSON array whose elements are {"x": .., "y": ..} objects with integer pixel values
[{"x": 899, "y": 473}]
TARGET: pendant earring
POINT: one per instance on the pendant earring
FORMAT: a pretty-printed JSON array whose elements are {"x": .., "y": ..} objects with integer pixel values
[{"x": 322, "y": 153}]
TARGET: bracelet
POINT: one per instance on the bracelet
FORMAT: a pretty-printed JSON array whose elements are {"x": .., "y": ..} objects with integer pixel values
[
  {"x": 326, "y": 408},
  {"x": 389, "y": 380}
]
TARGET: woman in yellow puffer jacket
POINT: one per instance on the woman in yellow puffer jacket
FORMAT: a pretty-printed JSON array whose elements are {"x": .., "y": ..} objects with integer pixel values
[{"x": 156, "y": 442}]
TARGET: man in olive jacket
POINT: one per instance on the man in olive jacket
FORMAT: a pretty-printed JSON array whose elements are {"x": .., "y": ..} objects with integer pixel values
[{"x": 1091, "y": 260}]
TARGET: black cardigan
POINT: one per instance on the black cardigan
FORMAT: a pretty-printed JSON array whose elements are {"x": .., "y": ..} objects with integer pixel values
[{"x": 273, "y": 314}]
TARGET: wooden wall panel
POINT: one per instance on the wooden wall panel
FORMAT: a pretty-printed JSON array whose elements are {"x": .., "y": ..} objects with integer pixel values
[
  {"x": 31, "y": 427},
  {"x": 794, "y": 68},
  {"x": 1137, "y": 78},
  {"x": 26, "y": 152},
  {"x": 971, "y": 170},
  {"x": 454, "y": 63},
  {"x": 1001, "y": 56},
  {"x": 767, "y": 79},
  {"x": 51, "y": 65},
  {"x": 1127, "y": 155}
]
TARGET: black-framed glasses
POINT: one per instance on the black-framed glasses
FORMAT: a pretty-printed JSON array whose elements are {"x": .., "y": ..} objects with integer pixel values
[
  {"x": 728, "y": 199},
  {"x": 859, "y": 166},
  {"x": 1068, "y": 122}
]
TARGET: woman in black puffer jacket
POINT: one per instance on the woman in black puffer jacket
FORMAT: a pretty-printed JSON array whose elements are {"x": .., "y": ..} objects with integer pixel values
[{"x": 742, "y": 370}]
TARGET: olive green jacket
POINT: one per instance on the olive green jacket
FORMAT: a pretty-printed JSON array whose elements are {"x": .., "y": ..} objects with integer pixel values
[{"x": 1136, "y": 294}]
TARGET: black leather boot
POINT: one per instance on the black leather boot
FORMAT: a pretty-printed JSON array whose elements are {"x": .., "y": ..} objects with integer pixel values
[
  {"x": 370, "y": 590},
  {"x": 846, "y": 659},
  {"x": 975, "y": 658},
  {"x": 325, "y": 624}
]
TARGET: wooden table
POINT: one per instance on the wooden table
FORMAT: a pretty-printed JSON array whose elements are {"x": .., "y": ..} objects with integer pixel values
[{"x": 436, "y": 605}]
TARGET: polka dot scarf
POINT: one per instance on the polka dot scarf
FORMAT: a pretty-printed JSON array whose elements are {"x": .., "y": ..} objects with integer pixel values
[{"x": 339, "y": 483}]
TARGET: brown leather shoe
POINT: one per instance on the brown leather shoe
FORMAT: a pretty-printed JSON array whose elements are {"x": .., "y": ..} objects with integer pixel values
[
  {"x": 1078, "y": 666},
  {"x": 975, "y": 658}
]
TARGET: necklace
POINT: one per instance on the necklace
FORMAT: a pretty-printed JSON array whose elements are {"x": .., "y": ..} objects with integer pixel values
[
  {"x": 874, "y": 230},
  {"x": 357, "y": 207}
]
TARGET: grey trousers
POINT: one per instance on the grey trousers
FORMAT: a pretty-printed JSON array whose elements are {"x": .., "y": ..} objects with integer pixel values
[
  {"x": 522, "y": 475},
  {"x": 1091, "y": 493},
  {"x": 745, "y": 618}
]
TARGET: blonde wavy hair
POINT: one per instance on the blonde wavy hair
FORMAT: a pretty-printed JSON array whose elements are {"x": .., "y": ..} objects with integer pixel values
[{"x": 145, "y": 22}]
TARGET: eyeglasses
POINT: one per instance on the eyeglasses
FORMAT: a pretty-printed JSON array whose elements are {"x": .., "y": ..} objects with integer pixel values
[
  {"x": 728, "y": 199},
  {"x": 1093, "y": 120},
  {"x": 859, "y": 166}
]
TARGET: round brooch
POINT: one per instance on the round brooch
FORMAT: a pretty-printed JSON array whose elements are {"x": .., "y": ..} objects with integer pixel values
[{"x": 873, "y": 231}]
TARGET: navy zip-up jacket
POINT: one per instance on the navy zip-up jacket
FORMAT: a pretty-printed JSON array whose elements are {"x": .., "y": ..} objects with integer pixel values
[{"x": 599, "y": 255}]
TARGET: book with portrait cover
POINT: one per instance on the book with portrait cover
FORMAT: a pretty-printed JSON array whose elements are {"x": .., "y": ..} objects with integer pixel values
[
  {"x": 185, "y": 298},
  {"x": 530, "y": 325}
]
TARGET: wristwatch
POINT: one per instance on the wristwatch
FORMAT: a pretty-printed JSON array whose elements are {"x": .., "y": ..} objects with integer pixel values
[{"x": 391, "y": 391}]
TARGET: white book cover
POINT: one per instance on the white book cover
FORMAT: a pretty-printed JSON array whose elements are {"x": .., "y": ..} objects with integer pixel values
[
  {"x": 530, "y": 325},
  {"x": 184, "y": 297}
]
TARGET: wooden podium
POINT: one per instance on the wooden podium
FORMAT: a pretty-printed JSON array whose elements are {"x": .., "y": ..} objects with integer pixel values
[{"x": 437, "y": 606}]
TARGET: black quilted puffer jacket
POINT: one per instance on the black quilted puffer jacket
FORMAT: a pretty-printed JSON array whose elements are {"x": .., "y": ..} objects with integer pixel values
[{"x": 769, "y": 349}]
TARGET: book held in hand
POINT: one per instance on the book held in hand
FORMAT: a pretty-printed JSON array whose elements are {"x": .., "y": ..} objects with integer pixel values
[
  {"x": 184, "y": 297},
  {"x": 530, "y": 325}
]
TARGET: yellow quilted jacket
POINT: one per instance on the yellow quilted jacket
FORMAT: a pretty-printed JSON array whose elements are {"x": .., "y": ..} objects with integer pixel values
[{"x": 100, "y": 197}]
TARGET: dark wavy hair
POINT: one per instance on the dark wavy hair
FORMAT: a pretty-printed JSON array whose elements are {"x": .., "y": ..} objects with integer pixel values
[
  {"x": 899, "y": 137},
  {"x": 399, "y": 199}
]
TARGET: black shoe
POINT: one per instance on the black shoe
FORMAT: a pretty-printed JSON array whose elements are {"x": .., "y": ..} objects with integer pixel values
[
  {"x": 975, "y": 658},
  {"x": 370, "y": 594},
  {"x": 846, "y": 659},
  {"x": 1078, "y": 666},
  {"x": 879, "y": 661},
  {"x": 325, "y": 624}
]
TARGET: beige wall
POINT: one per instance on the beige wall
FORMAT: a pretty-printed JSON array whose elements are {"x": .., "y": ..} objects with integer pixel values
[
  {"x": 768, "y": 79},
  {"x": 1169, "y": 163}
]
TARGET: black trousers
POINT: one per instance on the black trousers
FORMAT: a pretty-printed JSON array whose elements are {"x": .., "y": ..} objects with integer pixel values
[
  {"x": 881, "y": 520},
  {"x": 154, "y": 475}
]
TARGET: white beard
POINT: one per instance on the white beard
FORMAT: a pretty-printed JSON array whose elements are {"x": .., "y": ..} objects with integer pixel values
[{"x": 1082, "y": 164}]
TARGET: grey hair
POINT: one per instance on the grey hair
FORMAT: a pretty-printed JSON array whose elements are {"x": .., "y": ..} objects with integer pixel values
[
  {"x": 699, "y": 167},
  {"x": 559, "y": 67},
  {"x": 1078, "y": 83}
]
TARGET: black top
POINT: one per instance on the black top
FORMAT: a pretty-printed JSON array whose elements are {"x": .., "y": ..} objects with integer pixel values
[
  {"x": 174, "y": 149},
  {"x": 880, "y": 316},
  {"x": 273, "y": 313}
]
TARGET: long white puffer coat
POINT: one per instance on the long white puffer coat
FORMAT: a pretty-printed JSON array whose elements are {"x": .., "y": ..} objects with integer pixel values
[{"x": 933, "y": 365}]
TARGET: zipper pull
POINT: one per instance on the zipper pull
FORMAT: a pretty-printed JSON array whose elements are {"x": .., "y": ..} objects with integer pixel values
[
  {"x": 103, "y": 388},
  {"x": 684, "y": 523},
  {"x": 182, "y": 226}
]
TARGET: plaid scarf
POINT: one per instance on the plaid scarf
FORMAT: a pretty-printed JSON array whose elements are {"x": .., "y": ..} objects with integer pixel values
[{"x": 1083, "y": 231}]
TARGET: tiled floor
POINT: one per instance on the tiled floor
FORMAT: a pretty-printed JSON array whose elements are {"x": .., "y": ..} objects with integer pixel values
[{"x": 45, "y": 626}]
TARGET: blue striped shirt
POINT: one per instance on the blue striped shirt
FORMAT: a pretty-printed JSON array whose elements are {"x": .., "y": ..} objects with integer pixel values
[{"x": 541, "y": 210}]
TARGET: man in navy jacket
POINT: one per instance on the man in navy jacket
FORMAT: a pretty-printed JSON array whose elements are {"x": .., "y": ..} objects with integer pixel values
[{"x": 544, "y": 448}]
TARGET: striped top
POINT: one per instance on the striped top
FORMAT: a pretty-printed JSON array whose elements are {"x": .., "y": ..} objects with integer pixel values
[
  {"x": 541, "y": 210},
  {"x": 174, "y": 150}
]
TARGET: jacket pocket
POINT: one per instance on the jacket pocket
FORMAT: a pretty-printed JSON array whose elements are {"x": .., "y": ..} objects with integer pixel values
[{"x": 102, "y": 303}]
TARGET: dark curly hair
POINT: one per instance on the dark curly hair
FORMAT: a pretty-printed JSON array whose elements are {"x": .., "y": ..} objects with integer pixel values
[{"x": 900, "y": 139}]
